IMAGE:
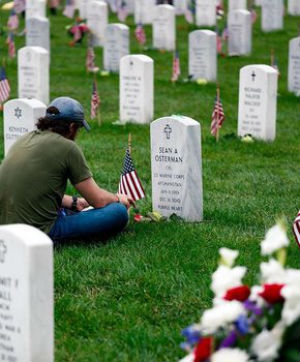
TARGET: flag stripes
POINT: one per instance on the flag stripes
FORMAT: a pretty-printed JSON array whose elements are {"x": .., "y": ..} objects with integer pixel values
[
  {"x": 218, "y": 117},
  {"x": 130, "y": 183},
  {"x": 4, "y": 86},
  {"x": 296, "y": 228}
]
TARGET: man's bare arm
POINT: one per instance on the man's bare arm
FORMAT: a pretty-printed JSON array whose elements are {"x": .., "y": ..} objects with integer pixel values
[{"x": 98, "y": 197}]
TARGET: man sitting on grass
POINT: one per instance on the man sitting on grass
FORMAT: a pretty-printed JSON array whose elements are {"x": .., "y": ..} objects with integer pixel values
[{"x": 34, "y": 175}]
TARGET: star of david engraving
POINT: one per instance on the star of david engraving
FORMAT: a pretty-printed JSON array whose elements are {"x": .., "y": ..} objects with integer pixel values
[
  {"x": 253, "y": 75},
  {"x": 3, "y": 251},
  {"x": 18, "y": 112},
  {"x": 168, "y": 131}
]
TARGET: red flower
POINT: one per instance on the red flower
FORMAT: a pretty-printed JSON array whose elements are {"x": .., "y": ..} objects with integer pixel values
[
  {"x": 239, "y": 293},
  {"x": 203, "y": 349},
  {"x": 271, "y": 293},
  {"x": 138, "y": 218}
]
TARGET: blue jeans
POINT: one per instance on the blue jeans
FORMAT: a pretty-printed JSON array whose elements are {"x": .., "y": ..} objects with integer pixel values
[{"x": 100, "y": 223}]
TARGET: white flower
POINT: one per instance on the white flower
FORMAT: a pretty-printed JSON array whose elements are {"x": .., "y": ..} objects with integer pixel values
[
  {"x": 266, "y": 344},
  {"x": 189, "y": 358},
  {"x": 272, "y": 272},
  {"x": 230, "y": 355},
  {"x": 225, "y": 278},
  {"x": 291, "y": 307},
  {"x": 221, "y": 316},
  {"x": 276, "y": 238},
  {"x": 228, "y": 256},
  {"x": 255, "y": 297},
  {"x": 292, "y": 277}
]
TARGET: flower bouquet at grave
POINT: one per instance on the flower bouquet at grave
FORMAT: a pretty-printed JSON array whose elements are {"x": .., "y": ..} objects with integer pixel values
[{"x": 250, "y": 324}]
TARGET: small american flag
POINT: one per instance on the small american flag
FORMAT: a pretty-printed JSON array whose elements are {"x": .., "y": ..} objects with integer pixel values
[
  {"x": 189, "y": 13},
  {"x": 218, "y": 116},
  {"x": 140, "y": 34},
  {"x": 69, "y": 9},
  {"x": 296, "y": 228},
  {"x": 95, "y": 101},
  {"x": 219, "y": 41},
  {"x": 130, "y": 183},
  {"x": 13, "y": 20},
  {"x": 225, "y": 34},
  {"x": 176, "y": 67},
  {"x": 122, "y": 11},
  {"x": 54, "y": 4},
  {"x": 274, "y": 62},
  {"x": 253, "y": 15},
  {"x": 76, "y": 33},
  {"x": 4, "y": 86},
  {"x": 19, "y": 6},
  {"x": 11, "y": 46},
  {"x": 90, "y": 59}
]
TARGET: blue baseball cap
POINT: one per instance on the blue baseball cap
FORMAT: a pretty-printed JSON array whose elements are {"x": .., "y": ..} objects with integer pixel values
[{"x": 69, "y": 110}]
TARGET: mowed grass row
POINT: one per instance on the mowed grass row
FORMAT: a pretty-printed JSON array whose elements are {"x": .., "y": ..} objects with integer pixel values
[{"x": 129, "y": 299}]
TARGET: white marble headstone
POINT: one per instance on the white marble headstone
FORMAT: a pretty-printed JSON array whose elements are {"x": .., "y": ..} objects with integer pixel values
[
  {"x": 35, "y": 8},
  {"x": 237, "y": 5},
  {"x": 294, "y": 7},
  {"x": 97, "y": 19},
  {"x": 164, "y": 27},
  {"x": 258, "y": 102},
  {"x": 203, "y": 55},
  {"x": 116, "y": 46},
  {"x": 180, "y": 6},
  {"x": 294, "y": 65},
  {"x": 33, "y": 73},
  {"x": 206, "y": 12},
  {"x": 143, "y": 11},
  {"x": 20, "y": 117},
  {"x": 83, "y": 8},
  {"x": 38, "y": 32},
  {"x": 26, "y": 289},
  {"x": 136, "y": 89},
  {"x": 272, "y": 15},
  {"x": 176, "y": 167},
  {"x": 239, "y": 32}
]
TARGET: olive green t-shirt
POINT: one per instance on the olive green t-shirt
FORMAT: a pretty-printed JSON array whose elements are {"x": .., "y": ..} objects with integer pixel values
[{"x": 33, "y": 178}]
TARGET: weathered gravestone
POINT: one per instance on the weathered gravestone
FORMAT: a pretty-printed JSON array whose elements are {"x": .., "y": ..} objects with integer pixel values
[
  {"x": 206, "y": 12},
  {"x": 136, "y": 89},
  {"x": 237, "y": 5},
  {"x": 164, "y": 27},
  {"x": 176, "y": 167},
  {"x": 203, "y": 55},
  {"x": 143, "y": 11},
  {"x": 26, "y": 290},
  {"x": 258, "y": 102},
  {"x": 97, "y": 19},
  {"x": 35, "y": 8},
  {"x": 20, "y": 117},
  {"x": 33, "y": 73},
  {"x": 116, "y": 46},
  {"x": 180, "y": 6},
  {"x": 294, "y": 65},
  {"x": 294, "y": 7},
  {"x": 239, "y": 33},
  {"x": 38, "y": 32},
  {"x": 272, "y": 15}
]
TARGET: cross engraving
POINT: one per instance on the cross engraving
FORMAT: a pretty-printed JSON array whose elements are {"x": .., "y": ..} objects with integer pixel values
[
  {"x": 18, "y": 112},
  {"x": 253, "y": 75},
  {"x": 3, "y": 251},
  {"x": 168, "y": 131}
]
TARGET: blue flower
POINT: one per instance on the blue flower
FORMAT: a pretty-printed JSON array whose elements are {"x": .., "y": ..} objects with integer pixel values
[
  {"x": 242, "y": 325},
  {"x": 191, "y": 334}
]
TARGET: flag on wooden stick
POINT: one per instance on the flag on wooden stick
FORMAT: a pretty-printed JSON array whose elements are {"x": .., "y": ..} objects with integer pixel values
[
  {"x": 176, "y": 67},
  {"x": 95, "y": 101},
  {"x": 122, "y": 10},
  {"x": 4, "y": 86},
  {"x": 11, "y": 46},
  {"x": 19, "y": 6},
  {"x": 140, "y": 34},
  {"x": 189, "y": 13},
  {"x": 274, "y": 62},
  {"x": 218, "y": 116},
  {"x": 13, "y": 20},
  {"x": 90, "y": 60},
  {"x": 130, "y": 183}
]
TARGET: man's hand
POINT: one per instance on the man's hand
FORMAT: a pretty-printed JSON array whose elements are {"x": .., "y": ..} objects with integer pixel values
[
  {"x": 82, "y": 204},
  {"x": 126, "y": 200}
]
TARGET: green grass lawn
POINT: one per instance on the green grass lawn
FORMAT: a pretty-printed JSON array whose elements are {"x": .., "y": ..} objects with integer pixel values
[{"x": 129, "y": 299}]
